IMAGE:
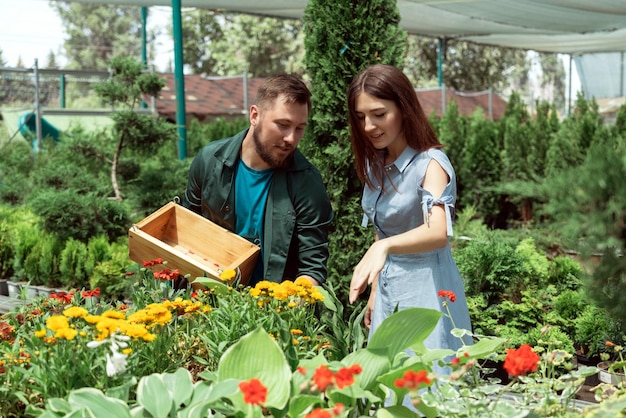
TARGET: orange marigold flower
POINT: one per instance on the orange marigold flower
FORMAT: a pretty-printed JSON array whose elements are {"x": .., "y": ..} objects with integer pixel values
[
  {"x": 323, "y": 377},
  {"x": 254, "y": 392},
  {"x": 319, "y": 413},
  {"x": 447, "y": 294},
  {"x": 412, "y": 379},
  {"x": 166, "y": 274},
  {"x": 521, "y": 361},
  {"x": 609, "y": 344}
]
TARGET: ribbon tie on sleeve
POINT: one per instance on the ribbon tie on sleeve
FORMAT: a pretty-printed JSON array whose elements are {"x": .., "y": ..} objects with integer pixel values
[{"x": 447, "y": 202}]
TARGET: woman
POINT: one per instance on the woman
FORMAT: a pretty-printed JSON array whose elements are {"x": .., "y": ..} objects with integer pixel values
[{"x": 409, "y": 196}]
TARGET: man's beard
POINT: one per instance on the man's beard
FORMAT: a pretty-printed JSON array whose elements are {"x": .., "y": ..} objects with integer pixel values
[{"x": 266, "y": 155}]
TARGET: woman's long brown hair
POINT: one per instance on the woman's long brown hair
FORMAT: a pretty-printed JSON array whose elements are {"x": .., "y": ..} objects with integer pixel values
[{"x": 386, "y": 82}]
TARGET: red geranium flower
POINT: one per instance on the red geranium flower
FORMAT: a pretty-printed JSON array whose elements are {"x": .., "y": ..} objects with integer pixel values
[
  {"x": 412, "y": 379},
  {"x": 447, "y": 294},
  {"x": 254, "y": 392},
  {"x": 323, "y": 377},
  {"x": 166, "y": 274},
  {"x": 319, "y": 413},
  {"x": 153, "y": 262},
  {"x": 62, "y": 296},
  {"x": 521, "y": 361}
]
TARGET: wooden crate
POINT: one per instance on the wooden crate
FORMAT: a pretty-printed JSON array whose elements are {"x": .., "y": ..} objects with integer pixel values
[{"x": 191, "y": 243}]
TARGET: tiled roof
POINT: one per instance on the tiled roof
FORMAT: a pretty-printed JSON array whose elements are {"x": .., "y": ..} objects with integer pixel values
[{"x": 223, "y": 96}]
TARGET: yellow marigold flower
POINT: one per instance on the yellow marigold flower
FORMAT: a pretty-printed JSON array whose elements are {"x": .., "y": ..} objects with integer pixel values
[
  {"x": 113, "y": 314},
  {"x": 263, "y": 285},
  {"x": 41, "y": 333},
  {"x": 75, "y": 312},
  {"x": 228, "y": 275},
  {"x": 255, "y": 293},
  {"x": 260, "y": 303},
  {"x": 279, "y": 293},
  {"x": 160, "y": 314},
  {"x": 67, "y": 333},
  {"x": 295, "y": 342},
  {"x": 149, "y": 337},
  {"x": 292, "y": 304},
  {"x": 57, "y": 322},
  {"x": 141, "y": 316},
  {"x": 127, "y": 351},
  {"x": 135, "y": 330},
  {"x": 317, "y": 296},
  {"x": 304, "y": 282},
  {"x": 305, "y": 338},
  {"x": 82, "y": 333},
  {"x": 206, "y": 309},
  {"x": 108, "y": 326},
  {"x": 93, "y": 319},
  {"x": 297, "y": 332}
]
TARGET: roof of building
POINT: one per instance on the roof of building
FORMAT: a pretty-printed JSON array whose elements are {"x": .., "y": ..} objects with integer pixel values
[{"x": 211, "y": 97}]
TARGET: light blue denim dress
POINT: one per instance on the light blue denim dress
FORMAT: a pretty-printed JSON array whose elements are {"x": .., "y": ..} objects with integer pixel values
[{"x": 414, "y": 280}]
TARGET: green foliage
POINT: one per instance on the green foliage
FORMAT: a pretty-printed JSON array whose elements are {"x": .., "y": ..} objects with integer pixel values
[
  {"x": 71, "y": 215},
  {"x": 73, "y": 261},
  {"x": 41, "y": 265},
  {"x": 489, "y": 266},
  {"x": 593, "y": 329},
  {"x": 158, "y": 183},
  {"x": 110, "y": 274},
  {"x": 201, "y": 133},
  {"x": 98, "y": 250},
  {"x": 141, "y": 133},
  {"x": 16, "y": 161},
  {"x": 25, "y": 237},
  {"x": 565, "y": 273}
]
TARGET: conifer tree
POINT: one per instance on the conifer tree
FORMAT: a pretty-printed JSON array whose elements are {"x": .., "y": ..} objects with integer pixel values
[{"x": 342, "y": 38}]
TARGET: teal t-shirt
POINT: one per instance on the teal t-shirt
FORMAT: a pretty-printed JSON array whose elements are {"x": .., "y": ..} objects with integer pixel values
[{"x": 251, "y": 190}]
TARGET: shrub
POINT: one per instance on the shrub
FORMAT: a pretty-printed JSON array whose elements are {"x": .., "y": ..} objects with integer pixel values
[
  {"x": 42, "y": 262},
  {"x": 110, "y": 275},
  {"x": 73, "y": 261}
]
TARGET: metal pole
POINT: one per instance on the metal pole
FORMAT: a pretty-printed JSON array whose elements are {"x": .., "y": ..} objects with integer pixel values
[
  {"x": 179, "y": 79},
  {"x": 62, "y": 91},
  {"x": 37, "y": 108},
  {"x": 569, "y": 87},
  {"x": 144, "y": 41},
  {"x": 440, "y": 62}
]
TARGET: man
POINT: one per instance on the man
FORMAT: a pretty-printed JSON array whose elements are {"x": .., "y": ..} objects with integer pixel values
[{"x": 258, "y": 185}]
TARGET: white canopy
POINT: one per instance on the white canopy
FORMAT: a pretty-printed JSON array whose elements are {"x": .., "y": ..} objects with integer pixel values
[{"x": 563, "y": 26}]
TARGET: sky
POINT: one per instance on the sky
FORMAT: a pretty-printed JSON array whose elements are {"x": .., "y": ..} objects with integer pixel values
[{"x": 30, "y": 29}]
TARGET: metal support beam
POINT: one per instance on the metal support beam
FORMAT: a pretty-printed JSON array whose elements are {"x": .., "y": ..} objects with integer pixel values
[{"x": 179, "y": 79}]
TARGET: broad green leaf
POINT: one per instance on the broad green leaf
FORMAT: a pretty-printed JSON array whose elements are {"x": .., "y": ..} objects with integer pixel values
[
  {"x": 220, "y": 288},
  {"x": 152, "y": 394},
  {"x": 256, "y": 355},
  {"x": 99, "y": 404},
  {"x": 299, "y": 404},
  {"x": 121, "y": 392},
  {"x": 58, "y": 405},
  {"x": 395, "y": 411},
  {"x": 403, "y": 329},
  {"x": 372, "y": 365},
  {"x": 180, "y": 386},
  {"x": 328, "y": 300},
  {"x": 482, "y": 348}
]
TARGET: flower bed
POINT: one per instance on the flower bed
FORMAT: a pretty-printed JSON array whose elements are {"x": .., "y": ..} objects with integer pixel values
[{"x": 242, "y": 351}]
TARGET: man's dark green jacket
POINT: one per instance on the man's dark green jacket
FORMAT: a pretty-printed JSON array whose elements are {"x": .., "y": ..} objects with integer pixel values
[{"x": 297, "y": 215}]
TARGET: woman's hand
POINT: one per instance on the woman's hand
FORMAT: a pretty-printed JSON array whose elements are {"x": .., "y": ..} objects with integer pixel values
[
  {"x": 368, "y": 269},
  {"x": 367, "y": 319}
]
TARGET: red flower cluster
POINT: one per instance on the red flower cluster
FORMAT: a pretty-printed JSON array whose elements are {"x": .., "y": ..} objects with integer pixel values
[
  {"x": 412, "y": 379},
  {"x": 447, "y": 294},
  {"x": 324, "y": 377},
  {"x": 91, "y": 293},
  {"x": 521, "y": 361},
  {"x": 153, "y": 262},
  {"x": 254, "y": 392},
  {"x": 166, "y": 274},
  {"x": 62, "y": 296},
  {"x": 6, "y": 332}
]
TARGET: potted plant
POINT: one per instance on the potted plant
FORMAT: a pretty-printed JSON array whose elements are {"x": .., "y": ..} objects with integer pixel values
[{"x": 612, "y": 370}]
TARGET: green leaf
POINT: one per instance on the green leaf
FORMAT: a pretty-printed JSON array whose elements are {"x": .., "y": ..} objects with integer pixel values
[
  {"x": 373, "y": 365},
  {"x": 180, "y": 385},
  {"x": 98, "y": 403},
  {"x": 257, "y": 355},
  {"x": 152, "y": 394},
  {"x": 58, "y": 405},
  {"x": 403, "y": 329},
  {"x": 219, "y": 288},
  {"x": 299, "y": 404}
]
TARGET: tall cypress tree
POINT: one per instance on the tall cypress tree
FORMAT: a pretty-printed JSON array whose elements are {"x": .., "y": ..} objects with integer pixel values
[{"x": 342, "y": 38}]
